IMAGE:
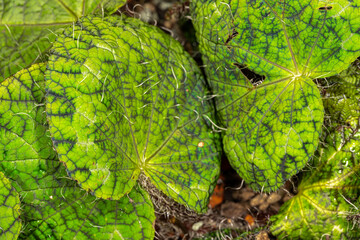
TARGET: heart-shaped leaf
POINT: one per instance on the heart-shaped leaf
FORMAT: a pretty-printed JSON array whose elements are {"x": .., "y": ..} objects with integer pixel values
[
  {"x": 10, "y": 223},
  {"x": 54, "y": 206},
  {"x": 28, "y": 28},
  {"x": 261, "y": 57},
  {"x": 124, "y": 98}
]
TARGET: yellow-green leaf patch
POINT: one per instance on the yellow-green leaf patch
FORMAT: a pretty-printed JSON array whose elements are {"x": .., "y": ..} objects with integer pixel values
[
  {"x": 10, "y": 223},
  {"x": 124, "y": 98}
]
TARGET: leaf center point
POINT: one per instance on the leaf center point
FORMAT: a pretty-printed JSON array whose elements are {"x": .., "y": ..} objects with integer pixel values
[{"x": 299, "y": 77}]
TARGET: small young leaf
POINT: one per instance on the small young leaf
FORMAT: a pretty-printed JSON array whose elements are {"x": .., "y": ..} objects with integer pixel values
[
  {"x": 54, "y": 206},
  {"x": 10, "y": 224},
  {"x": 327, "y": 195},
  {"x": 124, "y": 98},
  {"x": 342, "y": 98},
  {"x": 260, "y": 58},
  {"x": 28, "y": 28},
  {"x": 352, "y": 75}
]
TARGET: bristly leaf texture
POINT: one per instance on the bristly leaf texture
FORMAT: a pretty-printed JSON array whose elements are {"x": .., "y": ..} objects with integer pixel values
[
  {"x": 261, "y": 57},
  {"x": 124, "y": 98},
  {"x": 28, "y": 28},
  {"x": 54, "y": 207},
  {"x": 10, "y": 223}
]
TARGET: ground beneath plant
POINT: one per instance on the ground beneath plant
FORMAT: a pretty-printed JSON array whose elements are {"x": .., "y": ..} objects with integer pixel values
[{"x": 235, "y": 211}]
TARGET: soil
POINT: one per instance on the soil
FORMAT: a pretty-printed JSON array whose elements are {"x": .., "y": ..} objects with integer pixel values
[{"x": 235, "y": 211}]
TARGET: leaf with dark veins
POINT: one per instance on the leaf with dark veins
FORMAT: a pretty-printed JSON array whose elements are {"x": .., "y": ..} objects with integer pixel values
[
  {"x": 124, "y": 98},
  {"x": 261, "y": 57},
  {"x": 53, "y": 206}
]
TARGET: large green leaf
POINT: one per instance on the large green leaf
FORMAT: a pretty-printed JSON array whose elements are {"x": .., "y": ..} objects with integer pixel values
[
  {"x": 327, "y": 195},
  {"x": 28, "y": 28},
  {"x": 124, "y": 98},
  {"x": 260, "y": 58},
  {"x": 52, "y": 205},
  {"x": 10, "y": 224}
]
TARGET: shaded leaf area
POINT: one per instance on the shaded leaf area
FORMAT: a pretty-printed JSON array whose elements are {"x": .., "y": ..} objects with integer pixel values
[
  {"x": 125, "y": 98},
  {"x": 52, "y": 205},
  {"x": 327, "y": 195},
  {"x": 110, "y": 6},
  {"x": 28, "y": 28},
  {"x": 350, "y": 76},
  {"x": 21, "y": 46},
  {"x": 260, "y": 58},
  {"x": 10, "y": 223},
  {"x": 342, "y": 96}
]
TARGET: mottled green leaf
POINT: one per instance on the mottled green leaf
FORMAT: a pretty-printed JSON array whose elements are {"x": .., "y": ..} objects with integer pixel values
[
  {"x": 54, "y": 207},
  {"x": 260, "y": 58},
  {"x": 124, "y": 98},
  {"x": 10, "y": 223},
  {"x": 28, "y": 28},
  {"x": 327, "y": 195}
]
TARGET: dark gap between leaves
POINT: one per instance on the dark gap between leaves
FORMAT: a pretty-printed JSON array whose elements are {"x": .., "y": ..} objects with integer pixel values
[{"x": 254, "y": 78}]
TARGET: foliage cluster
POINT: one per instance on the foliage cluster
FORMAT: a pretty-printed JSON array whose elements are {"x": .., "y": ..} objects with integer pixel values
[{"x": 105, "y": 104}]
